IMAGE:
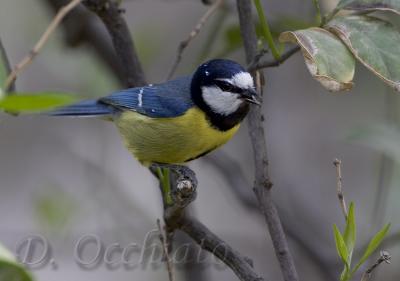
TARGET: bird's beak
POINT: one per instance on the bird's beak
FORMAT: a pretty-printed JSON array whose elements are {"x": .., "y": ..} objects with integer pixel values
[{"x": 251, "y": 96}]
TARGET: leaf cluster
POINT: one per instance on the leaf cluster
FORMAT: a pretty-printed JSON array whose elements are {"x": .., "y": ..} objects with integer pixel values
[
  {"x": 345, "y": 244},
  {"x": 331, "y": 50}
]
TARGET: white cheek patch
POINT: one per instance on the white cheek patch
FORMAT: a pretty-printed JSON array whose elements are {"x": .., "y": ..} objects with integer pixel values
[
  {"x": 241, "y": 80},
  {"x": 221, "y": 102}
]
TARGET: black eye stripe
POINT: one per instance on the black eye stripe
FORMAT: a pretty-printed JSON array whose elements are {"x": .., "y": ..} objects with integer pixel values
[{"x": 228, "y": 87}]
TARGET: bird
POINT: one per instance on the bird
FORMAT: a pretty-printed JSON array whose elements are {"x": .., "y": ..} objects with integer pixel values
[{"x": 179, "y": 120}]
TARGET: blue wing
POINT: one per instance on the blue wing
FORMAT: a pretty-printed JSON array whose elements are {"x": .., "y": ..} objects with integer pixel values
[{"x": 168, "y": 99}]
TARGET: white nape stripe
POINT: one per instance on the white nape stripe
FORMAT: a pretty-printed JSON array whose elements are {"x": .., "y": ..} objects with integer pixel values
[
  {"x": 140, "y": 97},
  {"x": 221, "y": 102},
  {"x": 242, "y": 80}
]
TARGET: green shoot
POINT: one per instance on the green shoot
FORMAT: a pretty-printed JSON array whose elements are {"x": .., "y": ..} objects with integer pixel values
[{"x": 266, "y": 30}]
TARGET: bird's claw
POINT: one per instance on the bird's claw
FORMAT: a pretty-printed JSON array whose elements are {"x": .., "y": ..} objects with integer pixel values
[{"x": 184, "y": 190}]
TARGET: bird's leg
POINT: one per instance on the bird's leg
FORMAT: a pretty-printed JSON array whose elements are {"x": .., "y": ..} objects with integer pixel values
[
  {"x": 165, "y": 183},
  {"x": 181, "y": 193}
]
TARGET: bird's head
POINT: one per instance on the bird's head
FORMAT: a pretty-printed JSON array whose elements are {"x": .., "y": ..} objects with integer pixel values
[{"x": 223, "y": 89}]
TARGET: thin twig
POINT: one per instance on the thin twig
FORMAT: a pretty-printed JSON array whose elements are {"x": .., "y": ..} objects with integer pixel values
[
  {"x": 164, "y": 243},
  {"x": 263, "y": 185},
  {"x": 257, "y": 58},
  {"x": 192, "y": 35},
  {"x": 257, "y": 64},
  {"x": 340, "y": 195},
  {"x": 42, "y": 41},
  {"x": 385, "y": 257},
  {"x": 215, "y": 28}
]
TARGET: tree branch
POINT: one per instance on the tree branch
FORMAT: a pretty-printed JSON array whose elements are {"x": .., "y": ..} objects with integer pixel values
[
  {"x": 207, "y": 240},
  {"x": 263, "y": 185},
  {"x": 257, "y": 64},
  {"x": 236, "y": 180},
  {"x": 175, "y": 216},
  {"x": 110, "y": 14}
]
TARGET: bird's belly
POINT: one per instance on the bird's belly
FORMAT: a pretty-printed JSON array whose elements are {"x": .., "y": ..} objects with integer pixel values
[{"x": 170, "y": 140}]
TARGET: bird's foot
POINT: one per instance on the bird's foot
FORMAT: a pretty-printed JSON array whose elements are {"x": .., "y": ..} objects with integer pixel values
[{"x": 182, "y": 191}]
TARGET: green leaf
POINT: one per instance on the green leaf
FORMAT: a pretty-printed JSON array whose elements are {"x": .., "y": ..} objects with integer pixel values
[
  {"x": 374, "y": 42},
  {"x": 350, "y": 231},
  {"x": 28, "y": 102},
  {"x": 370, "y": 5},
  {"x": 10, "y": 269},
  {"x": 373, "y": 245},
  {"x": 341, "y": 246},
  {"x": 327, "y": 58}
]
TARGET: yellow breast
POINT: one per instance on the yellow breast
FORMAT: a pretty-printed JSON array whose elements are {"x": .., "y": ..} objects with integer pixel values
[{"x": 170, "y": 140}]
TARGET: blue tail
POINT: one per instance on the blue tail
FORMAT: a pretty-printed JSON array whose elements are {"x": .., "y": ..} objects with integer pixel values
[{"x": 84, "y": 109}]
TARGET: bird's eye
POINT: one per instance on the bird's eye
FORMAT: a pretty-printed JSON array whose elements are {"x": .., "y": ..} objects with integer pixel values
[{"x": 225, "y": 86}]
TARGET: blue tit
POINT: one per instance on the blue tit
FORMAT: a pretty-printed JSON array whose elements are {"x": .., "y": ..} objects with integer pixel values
[{"x": 179, "y": 120}]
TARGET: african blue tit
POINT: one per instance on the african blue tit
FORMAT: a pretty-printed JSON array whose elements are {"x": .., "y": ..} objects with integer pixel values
[{"x": 179, "y": 120}]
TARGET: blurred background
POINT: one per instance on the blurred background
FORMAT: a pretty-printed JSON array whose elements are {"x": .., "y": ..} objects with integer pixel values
[{"x": 64, "y": 178}]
